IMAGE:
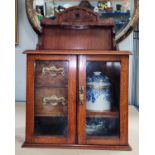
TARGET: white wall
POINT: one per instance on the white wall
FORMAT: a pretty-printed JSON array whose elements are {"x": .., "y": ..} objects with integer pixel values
[{"x": 28, "y": 40}]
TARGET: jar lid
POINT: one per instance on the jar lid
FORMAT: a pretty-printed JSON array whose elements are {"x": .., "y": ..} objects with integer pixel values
[{"x": 98, "y": 79}]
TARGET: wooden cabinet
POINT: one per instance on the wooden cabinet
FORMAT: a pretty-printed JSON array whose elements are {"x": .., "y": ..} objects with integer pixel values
[
  {"x": 77, "y": 85},
  {"x": 57, "y": 116}
]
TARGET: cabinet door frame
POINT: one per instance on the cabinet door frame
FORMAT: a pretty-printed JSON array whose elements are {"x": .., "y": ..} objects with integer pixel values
[
  {"x": 123, "y": 137},
  {"x": 71, "y": 137}
]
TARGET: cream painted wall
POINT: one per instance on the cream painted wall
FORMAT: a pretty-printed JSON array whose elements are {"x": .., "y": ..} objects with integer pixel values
[{"x": 28, "y": 40}]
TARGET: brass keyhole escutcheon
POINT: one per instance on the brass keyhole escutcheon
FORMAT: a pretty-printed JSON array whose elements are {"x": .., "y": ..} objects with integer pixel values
[{"x": 81, "y": 94}]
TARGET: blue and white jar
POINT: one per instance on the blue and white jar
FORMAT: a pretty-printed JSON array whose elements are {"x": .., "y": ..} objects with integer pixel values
[{"x": 98, "y": 92}]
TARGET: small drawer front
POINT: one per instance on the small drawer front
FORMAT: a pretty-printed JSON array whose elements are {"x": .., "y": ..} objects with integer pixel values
[
  {"x": 51, "y": 102},
  {"x": 51, "y": 73}
]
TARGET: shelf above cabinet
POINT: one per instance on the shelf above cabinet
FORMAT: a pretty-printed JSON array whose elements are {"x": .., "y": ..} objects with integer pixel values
[{"x": 76, "y": 52}]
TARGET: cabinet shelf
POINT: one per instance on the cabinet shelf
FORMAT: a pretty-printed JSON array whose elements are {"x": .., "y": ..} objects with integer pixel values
[
  {"x": 103, "y": 137},
  {"x": 51, "y": 86},
  {"x": 52, "y": 115},
  {"x": 109, "y": 114}
]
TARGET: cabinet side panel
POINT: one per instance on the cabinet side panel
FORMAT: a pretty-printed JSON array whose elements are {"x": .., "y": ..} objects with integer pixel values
[
  {"x": 124, "y": 101},
  {"x": 30, "y": 98}
]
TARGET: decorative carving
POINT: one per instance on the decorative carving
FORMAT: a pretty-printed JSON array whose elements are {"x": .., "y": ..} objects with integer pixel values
[
  {"x": 54, "y": 100},
  {"x": 77, "y": 15},
  {"x": 53, "y": 71},
  {"x": 77, "y": 18}
]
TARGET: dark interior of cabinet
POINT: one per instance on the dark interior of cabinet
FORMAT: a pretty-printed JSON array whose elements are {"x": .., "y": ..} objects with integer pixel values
[
  {"x": 51, "y": 126},
  {"x": 102, "y": 126}
]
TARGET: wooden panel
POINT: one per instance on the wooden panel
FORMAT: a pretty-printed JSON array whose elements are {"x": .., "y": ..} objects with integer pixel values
[
  {"x": 51, "y": 73},
  {"x": 78, "y": 146},
  {"x": 107, "y": 114},
  {"x": 104, "y": 58},
  {"x": 77, "y": 28},
  {"x": 72, "y": 99},
  {"x": 30, "y": 99},
  {"x": 124, "y": 101},
  {"x": 92, "y": 38},
  {"x": 47, "y": 140},
  {"x": 104, "y": 140},
  {"x": 82, "y": 107}
]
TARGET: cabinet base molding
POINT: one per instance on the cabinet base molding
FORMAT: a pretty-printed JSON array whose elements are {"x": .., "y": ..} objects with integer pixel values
[{"x": 78, "y": 146}]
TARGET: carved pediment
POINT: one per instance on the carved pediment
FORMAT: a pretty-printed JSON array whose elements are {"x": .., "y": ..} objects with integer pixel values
[{"x": 77, "y": 15}]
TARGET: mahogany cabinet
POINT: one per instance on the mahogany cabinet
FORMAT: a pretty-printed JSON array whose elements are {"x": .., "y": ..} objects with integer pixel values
[
  {"x": 77, "y": 85},
  {"x": 56, "y": 106}
]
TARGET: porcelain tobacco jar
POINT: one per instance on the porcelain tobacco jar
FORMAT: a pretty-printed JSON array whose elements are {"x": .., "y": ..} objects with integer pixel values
[{"x": 98, "y": 92}]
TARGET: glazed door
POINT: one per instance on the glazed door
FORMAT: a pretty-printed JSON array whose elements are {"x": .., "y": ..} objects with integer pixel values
[
  {"x": 103, "y": 101},
  {"x": 51, "y": 104}
]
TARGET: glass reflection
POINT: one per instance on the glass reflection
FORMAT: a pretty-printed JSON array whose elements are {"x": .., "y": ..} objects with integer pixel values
[
  {"x": 120, "y": 10},
  {"x": 51, "y": 98}
]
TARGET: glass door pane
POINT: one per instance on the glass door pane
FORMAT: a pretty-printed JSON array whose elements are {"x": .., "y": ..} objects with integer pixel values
[
  {"x": 51, "y": 98},
  {"x": 102, "y": 99}
]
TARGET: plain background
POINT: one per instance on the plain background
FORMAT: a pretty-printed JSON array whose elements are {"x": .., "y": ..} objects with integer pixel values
[{"x": 147, "y": 77}]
